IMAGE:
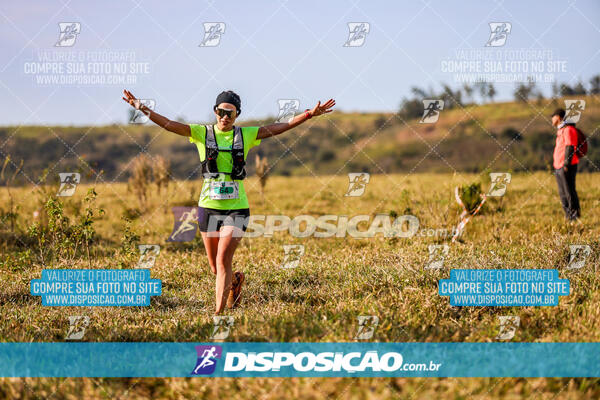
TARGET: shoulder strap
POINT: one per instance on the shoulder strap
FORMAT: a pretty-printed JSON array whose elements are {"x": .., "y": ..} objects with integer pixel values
[
  {"x": 209, "y": 165},
  {"x": 210, "y": 140},
  {"x": 238, "y": 172},
  {"x": 238, "y": 139}
]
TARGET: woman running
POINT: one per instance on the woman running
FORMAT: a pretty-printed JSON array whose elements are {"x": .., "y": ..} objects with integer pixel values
[{"x": 223, "y": 205}]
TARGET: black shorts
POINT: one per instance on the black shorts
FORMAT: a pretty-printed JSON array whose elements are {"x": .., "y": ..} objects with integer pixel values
[{"x": 211, "y": 220}]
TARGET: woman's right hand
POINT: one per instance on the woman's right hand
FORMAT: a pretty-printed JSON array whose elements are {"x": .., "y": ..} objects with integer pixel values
[
  {"x": 171, "y": 126},
  {"x": 131, "y": 99}
]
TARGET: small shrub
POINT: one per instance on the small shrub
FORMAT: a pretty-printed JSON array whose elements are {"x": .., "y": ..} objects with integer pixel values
[
  {"x": 128, "y": 249},
  {"x": 470, "y": 196},
  {"x": 162, "y": 173},
  {"x": 11, "y": 214},
  {"x": 262, "y": 170},
  {"x": 511, "y": 133},
  {"x": 141, "y": 177},
  {"x": 62, "y": 240}
]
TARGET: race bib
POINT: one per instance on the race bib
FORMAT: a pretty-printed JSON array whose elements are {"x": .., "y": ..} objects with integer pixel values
[{"x": 220, "y": 190}]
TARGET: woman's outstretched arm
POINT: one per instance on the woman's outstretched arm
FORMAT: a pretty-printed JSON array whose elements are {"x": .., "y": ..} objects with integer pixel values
[
  {"x": 278, "y": 128},
  {"x": 164, "y": 122}
]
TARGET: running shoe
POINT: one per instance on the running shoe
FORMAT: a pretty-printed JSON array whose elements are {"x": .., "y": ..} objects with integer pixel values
[{"x": 235, "y": 294}]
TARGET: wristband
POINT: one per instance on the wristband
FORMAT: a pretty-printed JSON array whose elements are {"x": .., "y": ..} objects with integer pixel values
[{"x": 308, "y": 114}]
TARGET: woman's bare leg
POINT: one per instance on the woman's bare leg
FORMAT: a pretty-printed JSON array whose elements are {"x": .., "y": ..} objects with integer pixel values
[
  {"x": 211, "y": 244},
  {"x": 228, "y": 242}
]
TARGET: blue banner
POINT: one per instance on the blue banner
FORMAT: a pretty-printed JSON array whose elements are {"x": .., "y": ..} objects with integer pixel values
[
  {"x": 299, "y": 359},
  {"x": 504, "y": 287},
  {"x": 96, "y": 287}
]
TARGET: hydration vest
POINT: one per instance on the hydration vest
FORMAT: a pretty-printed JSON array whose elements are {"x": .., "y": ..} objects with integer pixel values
[{"x": 209, "y": 165}]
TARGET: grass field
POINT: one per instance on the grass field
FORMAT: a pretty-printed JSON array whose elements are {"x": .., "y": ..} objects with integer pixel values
[{"x": 337, "y": 280}]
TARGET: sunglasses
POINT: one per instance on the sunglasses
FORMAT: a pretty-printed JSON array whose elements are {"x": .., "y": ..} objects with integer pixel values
[{"x": 221, "y": 112}]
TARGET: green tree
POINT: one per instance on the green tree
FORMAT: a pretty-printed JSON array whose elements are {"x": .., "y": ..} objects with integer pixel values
[
  {"x": 468, "y": 92},
  {"x": 579, "y": 89},
  {"x": 524, "y": 91},
  {"x": 595, "y": 84},
  {"x": 491, "y": 92}
]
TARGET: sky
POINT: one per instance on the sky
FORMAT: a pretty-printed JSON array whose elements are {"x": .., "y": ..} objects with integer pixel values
[{"x": 273, "y": 50}]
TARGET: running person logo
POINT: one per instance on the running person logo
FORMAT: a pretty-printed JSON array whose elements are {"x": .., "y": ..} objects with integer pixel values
[
  {"x": 292, "y": 255},
  {"x": 498, "y": 34},
  {"x": 68, "y": 183},
  {"x": 431, "y": 111},
  {"x": 207, "y": 359},
  {"x": 508, "y": 327},
  {"x": 138, "y": 116},
  {"x": 77, "y": 327},
  {"x": 222, "y": 325},
  {"x": 367, "y": 324},
  {"x": 287, "y": 109},
  {"x": 212, "y": 34},
  {"x": 499, "y": 183},
  {"x": 148, "y": 254},
  {"x": 358, "y": 33},
  {"x": 437, "y": 255},
  {"x": 573, "y": 109},
  {"x": 358, "y": 183},
  {"x": 185, "y": 224},
  {"x": 578, "y": 256},
  {"x": 68, "y": 33}
]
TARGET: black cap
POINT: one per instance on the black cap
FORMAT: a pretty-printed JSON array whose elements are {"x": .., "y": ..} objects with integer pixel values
[
  {"x": 560, "y": 112},
  {"x": 229, "y": 96}
]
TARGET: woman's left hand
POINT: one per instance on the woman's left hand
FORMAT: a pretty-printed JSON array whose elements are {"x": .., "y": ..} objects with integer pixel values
[{"x": 322, "y": 108}]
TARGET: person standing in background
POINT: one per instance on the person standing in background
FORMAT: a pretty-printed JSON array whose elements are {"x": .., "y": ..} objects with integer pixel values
[{"x": 565, "y": 164}]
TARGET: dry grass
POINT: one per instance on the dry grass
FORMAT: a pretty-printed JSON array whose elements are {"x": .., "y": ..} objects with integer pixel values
[{"x": 337, "y": 280}]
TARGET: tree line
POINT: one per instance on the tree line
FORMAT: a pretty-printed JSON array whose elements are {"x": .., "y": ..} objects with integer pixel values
[{"x": 485, "y": 92}]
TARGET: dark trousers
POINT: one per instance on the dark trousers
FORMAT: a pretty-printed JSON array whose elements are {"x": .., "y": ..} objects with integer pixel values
[{"x": 567, "y": 192}]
